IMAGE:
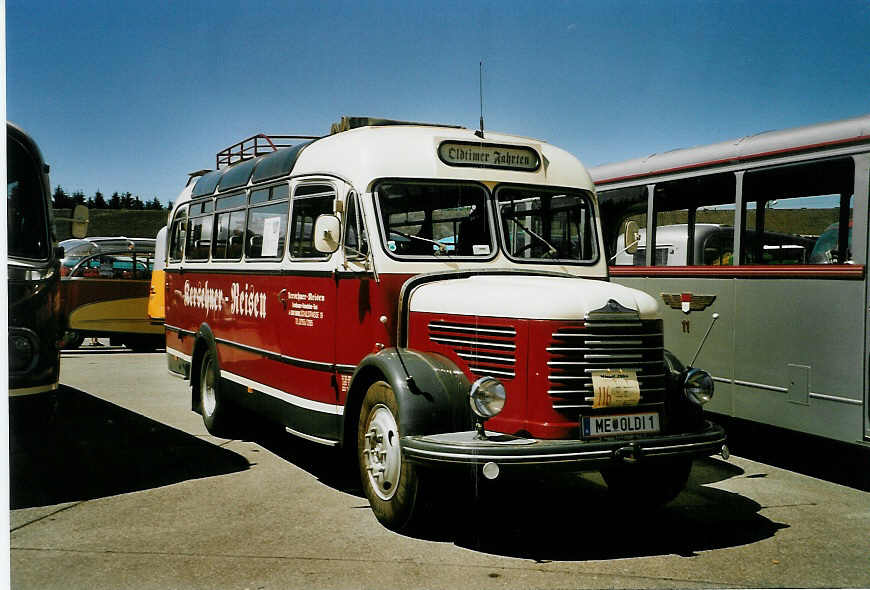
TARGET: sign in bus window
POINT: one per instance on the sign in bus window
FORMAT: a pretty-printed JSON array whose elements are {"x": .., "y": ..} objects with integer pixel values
[{"x": 267, "y": 229}]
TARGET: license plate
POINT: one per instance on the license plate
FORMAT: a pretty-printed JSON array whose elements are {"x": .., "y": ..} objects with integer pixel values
[{"x": 620, "y": 424}]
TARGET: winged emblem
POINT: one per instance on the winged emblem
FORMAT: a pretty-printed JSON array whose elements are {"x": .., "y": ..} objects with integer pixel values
[{"x": 688, "y": 301}]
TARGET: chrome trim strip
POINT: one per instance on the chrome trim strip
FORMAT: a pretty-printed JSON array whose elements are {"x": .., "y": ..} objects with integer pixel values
[
  {"x": 178, "y": 354},
  {"x": 834, "y": 398},
  {"x": 297, "y": 401},
  {"x": 613, "y": 324},
  {"x": 317, "y": 439},
  {"x": 587, "y": 334},
  {"x": 466, "y": 328},
  {"x": 290, "y": 360},
  {"x": 761, "y": 386}
]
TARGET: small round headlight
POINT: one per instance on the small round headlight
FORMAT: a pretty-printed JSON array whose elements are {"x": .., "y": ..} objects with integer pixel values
[
  {"x": 698, "y": 386},
  {"x": 487, "y": 397}
]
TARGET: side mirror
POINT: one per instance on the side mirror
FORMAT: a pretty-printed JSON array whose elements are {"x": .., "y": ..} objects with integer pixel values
[
  {"x": 631, "y": 236},
  {"x": 327, "y": 230},
  {"x": 80, "y": 220}
]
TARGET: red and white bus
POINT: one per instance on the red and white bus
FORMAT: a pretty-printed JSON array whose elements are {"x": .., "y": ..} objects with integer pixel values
[{"x": 390, "y": 287}]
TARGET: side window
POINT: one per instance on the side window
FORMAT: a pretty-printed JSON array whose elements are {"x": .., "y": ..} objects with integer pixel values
[
  {"x": 229, "y": 227},
  {"x": 309, "y": 202},
  {"x": 355, "y": 242},
  {"x": 178, "y": 234},
  {"x": 199, "y": 238},
  {"x": 799, "y": 214},
  {"x": 267, "y": 231}
]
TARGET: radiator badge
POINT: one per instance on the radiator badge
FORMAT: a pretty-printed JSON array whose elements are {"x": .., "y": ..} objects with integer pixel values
[{"x": 688, "y": 301}]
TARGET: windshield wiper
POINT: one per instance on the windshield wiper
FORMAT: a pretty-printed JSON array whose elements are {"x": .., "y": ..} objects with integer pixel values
[
  {"x": 442, "y": 249},
  {"x": 551, "y": 249}
]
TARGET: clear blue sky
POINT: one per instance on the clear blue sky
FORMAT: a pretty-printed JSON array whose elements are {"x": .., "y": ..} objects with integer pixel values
[{"x": 131, "y": 96}]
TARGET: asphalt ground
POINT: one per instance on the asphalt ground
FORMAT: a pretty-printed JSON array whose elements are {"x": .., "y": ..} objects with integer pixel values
[{"x": 115, "y": 483}]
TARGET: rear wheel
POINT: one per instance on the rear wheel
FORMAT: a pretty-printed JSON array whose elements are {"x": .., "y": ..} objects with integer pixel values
[
  {"x": 213, "y": 406},
  {"x": 391, "y": 484},
  {"x": 647, "y": 485}
]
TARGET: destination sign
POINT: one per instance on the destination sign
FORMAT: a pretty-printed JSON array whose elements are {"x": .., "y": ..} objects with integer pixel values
[{"x": 481, "y": 155}]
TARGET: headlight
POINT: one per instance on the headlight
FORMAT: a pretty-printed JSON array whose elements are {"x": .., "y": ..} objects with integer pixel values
[
  {"x": 487, "y": 397},
  {"x": 23, "y": 350},
  {"x": 698, "y": 386}
]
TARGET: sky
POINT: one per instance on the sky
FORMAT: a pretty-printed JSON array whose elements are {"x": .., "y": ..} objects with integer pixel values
[{"x": 132, "y": 96}]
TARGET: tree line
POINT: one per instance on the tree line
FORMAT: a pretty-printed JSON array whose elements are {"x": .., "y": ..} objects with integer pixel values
[{"x": 62, "y": 200}]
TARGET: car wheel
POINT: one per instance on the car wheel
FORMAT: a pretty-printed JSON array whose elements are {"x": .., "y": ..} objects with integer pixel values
[
  {"x": 390, "y": 483},
  {"x": 212, "y": 405},
  {"x": 648, "y": 485}
]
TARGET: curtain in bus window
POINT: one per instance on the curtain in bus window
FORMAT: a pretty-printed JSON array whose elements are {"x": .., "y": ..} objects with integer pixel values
[
  {"x": 26, "y": 226},
  {"x": 267, "y": 231},
  {"x": 306, "y": 210}
]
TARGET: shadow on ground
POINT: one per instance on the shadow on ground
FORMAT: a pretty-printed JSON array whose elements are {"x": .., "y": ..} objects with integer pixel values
[
  {"x": 70, "y": 446},
  {"x": 817, "y": 457},
  {"x": 569, "y": 518}
]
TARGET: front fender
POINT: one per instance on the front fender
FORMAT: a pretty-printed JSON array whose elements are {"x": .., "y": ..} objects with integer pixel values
[{"x": 433, "y": 400}]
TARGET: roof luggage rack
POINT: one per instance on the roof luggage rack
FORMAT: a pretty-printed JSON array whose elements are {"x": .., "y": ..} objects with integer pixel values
[{"x": 257, "y": 145}]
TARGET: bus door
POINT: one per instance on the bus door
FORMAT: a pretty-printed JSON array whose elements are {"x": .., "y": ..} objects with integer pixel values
[
  {"x": 358, "y": 315},
  {"x": 307, "y": 293}
]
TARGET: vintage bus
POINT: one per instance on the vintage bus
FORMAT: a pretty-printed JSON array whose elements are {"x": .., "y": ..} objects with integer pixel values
[
  {"x": 433, "y": 299},
  {"x": 791, "y": 346},
  {"x": 36, "y": 319}
]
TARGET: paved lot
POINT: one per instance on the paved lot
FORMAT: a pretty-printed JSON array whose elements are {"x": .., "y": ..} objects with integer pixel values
[{"x": 116, "y": 484}]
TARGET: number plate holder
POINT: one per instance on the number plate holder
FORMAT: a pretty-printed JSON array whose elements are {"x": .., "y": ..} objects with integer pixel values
[{"x": 607, "y": 425}]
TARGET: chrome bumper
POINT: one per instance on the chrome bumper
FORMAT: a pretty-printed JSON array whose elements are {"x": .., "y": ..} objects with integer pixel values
[{"x": 505, "y": 450}]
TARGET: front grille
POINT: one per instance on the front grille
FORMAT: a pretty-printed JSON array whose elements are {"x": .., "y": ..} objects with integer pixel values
[
  {"x": 487, "y": 350},
  {"x": 606, "y": 343}
]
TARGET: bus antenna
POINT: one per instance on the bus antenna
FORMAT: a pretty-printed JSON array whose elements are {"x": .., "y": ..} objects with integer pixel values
[{"x": 480, "y": 133}]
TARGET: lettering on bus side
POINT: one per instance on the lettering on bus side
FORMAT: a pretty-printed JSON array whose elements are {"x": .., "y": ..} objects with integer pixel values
[{"x": 245, "y": 301}]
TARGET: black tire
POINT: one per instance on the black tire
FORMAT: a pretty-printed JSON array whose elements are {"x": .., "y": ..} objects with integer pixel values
[
  {"x": 647, "y": 485},
  {"x": 391, "y": 484},
  {"x": 72, "y": 339},
  {"x": 213, "y": 406}
]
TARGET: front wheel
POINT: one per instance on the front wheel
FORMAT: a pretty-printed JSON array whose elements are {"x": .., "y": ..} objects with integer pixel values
[
  {"x": 647, "y": 485},
  {"x": 391, "y": 484}
]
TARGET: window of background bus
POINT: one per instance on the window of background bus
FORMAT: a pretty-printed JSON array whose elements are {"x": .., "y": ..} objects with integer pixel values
[
  {"x": 267, "y": 224},
  {"x": 309, "y": 202},
  {"x": 199, "y": 234},
  {"x": 230, "y": 227},
  {"x": 791, "y": 207},
  {"x": 177, "y": 235}
]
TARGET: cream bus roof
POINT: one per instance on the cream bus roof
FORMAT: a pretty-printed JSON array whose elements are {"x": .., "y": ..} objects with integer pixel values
[
  {"x": 364, "y": 154},
  {"x": 844, "y": 133}
]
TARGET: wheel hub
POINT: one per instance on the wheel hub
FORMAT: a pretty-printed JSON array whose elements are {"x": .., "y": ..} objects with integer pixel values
[{"x": 381, "y": 452}]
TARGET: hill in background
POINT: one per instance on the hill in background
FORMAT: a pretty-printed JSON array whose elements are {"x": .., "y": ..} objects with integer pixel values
[{"x": 111, "y": 222}]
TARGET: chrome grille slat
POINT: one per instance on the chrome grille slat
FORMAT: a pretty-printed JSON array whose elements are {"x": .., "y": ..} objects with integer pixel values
[
  {"x": 486, "y": 350},
  {"x": 605, "y": 344}
]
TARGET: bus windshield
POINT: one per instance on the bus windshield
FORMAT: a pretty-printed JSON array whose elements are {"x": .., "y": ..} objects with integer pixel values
[
  {"x": 26, "y": 226},
  {"x": 546, "y": 224},
  {"x": 434, "y": 219}
]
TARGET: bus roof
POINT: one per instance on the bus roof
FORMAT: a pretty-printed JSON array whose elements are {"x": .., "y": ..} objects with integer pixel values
[
  {"x": 364, "y": 154},
  {"x": 770, "y": 144}
]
